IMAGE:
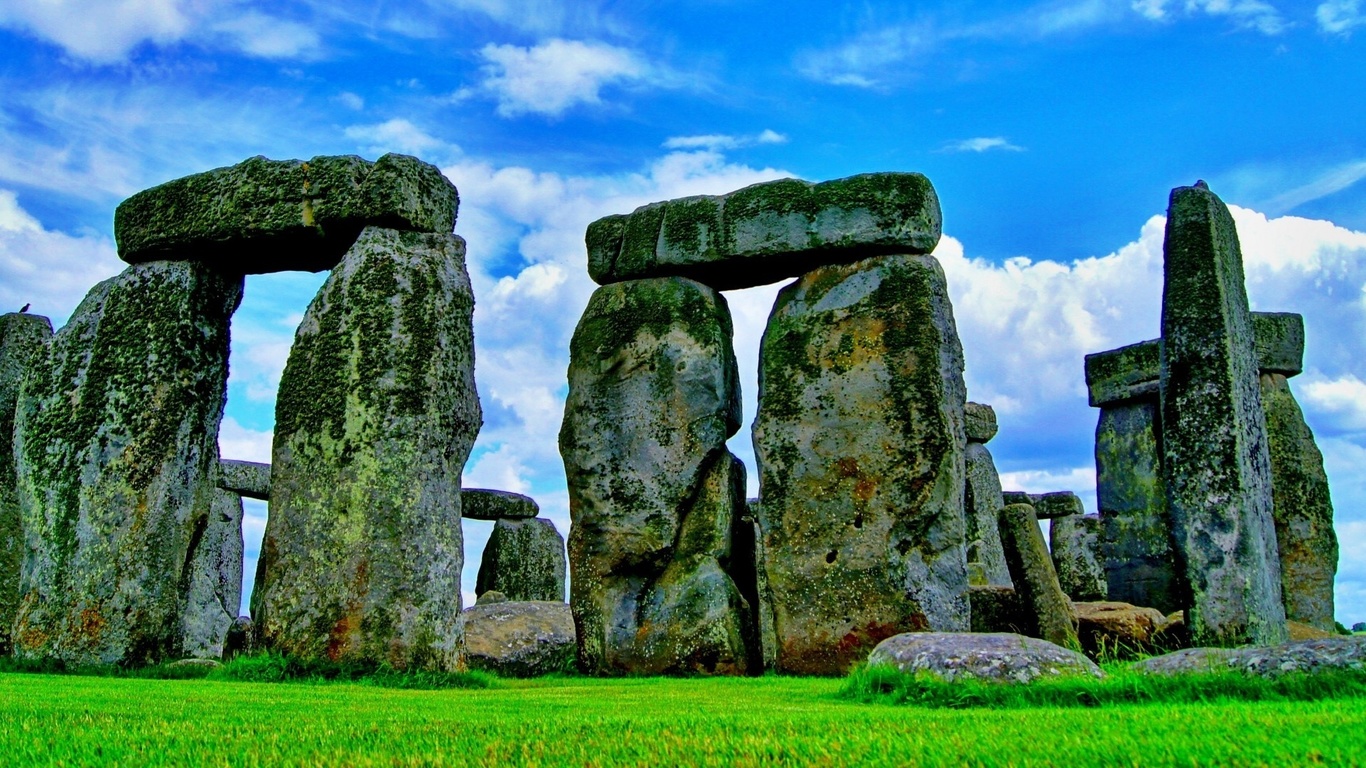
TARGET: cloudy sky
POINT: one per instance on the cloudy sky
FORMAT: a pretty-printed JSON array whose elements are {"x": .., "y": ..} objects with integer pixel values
[{"x": 1053, "y": 132}]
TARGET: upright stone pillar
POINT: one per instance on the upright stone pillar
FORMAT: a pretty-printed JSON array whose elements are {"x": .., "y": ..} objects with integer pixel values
[
  {"x": 653, "y": 493},
  {"x": 214, "y": 593},
  {"x": 1216, "y": 462},
  {"x": 1074, "y": 542},
  {"x": 524, "y": 560},
  {"x": 376, "y": 416},
  {"x": 117, "y": 457},
  {"x": 982, "y": 501},
  {"x": 859, "y": 439},
  {"x": 22, "y": 341},
  {"x": 1041, "y": 599}
]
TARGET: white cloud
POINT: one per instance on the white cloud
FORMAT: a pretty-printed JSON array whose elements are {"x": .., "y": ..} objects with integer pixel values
[
  {"x": 1329, "y": 182},
  {"x": 1245, "y": 14},
  {"x": 50, "y": 270},
  {"x": 351, "y": 100},
  {"x": 724, "y": 141},
  {"x": 238, "y": 443},
  {"x": 553, "y": 76},
  {"x": 401, "y": 135},
  {"x": 1339, "y": 17},
  {"x": 982, "y": 144},
  {"x": 1344, "y": 398},
  {"x": 267, "y": 37}
]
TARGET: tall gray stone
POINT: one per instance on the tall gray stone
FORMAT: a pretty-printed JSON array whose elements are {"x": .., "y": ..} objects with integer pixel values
[
  {"x": 376, "y": 415},
  {"x": 654, "y": 495},
  {"x": 1216, "y": 462},
  {"x": 117, "y": 453},
  {"x": 982, "y": 501},
  {"x": 859, "y": 439},
  {"x": 524, "y": 559},
  {"x": 1074, "y": 541},
  {"x": 1302, "y": 507},
  {"x": 1041, "y": 598},
  {"x": 214, "y": 591},
  {"x": 22, "y": 341}
]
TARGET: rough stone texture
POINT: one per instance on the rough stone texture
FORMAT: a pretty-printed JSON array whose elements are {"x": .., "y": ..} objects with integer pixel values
[
  {"x": 239, "y": 639},
  {"x": 1036, "y": 583},
  {"x": 117, "y": 456},
  {"x": 982, "y": 501},
  {"x": 997, "y": 657},
  {"x": 1302, "y": 508},
  {"x": 1279, "y": 342},
  {"x": 490, "y": 597},
  {"x": 245, "y": 478},
  {"x": 482, "y": 504},
  {"x": 998, "y": 609},
  {"x": 524, "y": 560},
  {"x": 749, "y": 547},
  {"x": 1136, "y": 543},
  {"x": 1056, "y": 504},
  {"x": 1299, "y": 631},
  {"x": 1215, "y": 458},
  {"x": 376, "y": 414},
  {"x": 859, "y": 440},
  {"x": 272, "y": 215},
  {"x": 214, "y": 592},
  {"x": 654, "y": 495},
  {"x": 1017, "y": 497},
  {"x": 979, "y": 422},
  {"x": 22, "y": 341},
  {"x": 1116, "y": 630},
  {"x": 1273, "y": 661},
  {"x": 767, "y": 232},
  {"x": 1074, "y": 541},
  {"x": 520, "y": 639}
]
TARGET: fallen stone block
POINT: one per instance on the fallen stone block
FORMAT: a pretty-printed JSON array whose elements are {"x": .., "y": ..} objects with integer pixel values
[
  {"x": 1308, "y": 656},
  {"x": 995, "y": 657},
  {"x": 520, "y": 639}
]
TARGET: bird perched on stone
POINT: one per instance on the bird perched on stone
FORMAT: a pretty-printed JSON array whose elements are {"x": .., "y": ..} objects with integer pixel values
[
  {"x": 25, "y": 308},
  {"x": 1200, "y": 184}
]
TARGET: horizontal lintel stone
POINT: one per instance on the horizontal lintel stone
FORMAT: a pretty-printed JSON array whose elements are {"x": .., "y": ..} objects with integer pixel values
[
  {"x": 484, "y": 504},
  {"x": 245, "y": 478}
]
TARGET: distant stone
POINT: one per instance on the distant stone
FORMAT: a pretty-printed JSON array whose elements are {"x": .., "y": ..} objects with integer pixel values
[
  {"x": 1074, "y": 541},
  {"x": 482, "y": 504},
  {"x": 116, "y": 445},
  {"x": 195, "y": 663},
  {"x": 490, "y": 597},
  {"x": 214, "y": 592},
  {"x": 1016, "y": 497},
  {"x": 520, "y": 639},
  {"x": 1309, "y": 656},
  {"x": 1049, "y": 506},
  {"x": 1300, "y": 631},
  {"x": 982, "y": 503},
  {"x": 376, "y": 415},
  {"x": 859, "y": 441},
  {"x": 1118, "y": 630},
  {"x": 240, "y": 638},
  {"x": 272, "y": 215},
  {"x": 1036, "y": 583},
  {"x": 1279, "y": 342},
  {"x": 1216, "y": 462},
  {"x": 998, "y": 609},
  {"x": 767, "y": 232},
  {"x": 979, "y": 422},
  {"x": 524, "y": 559},
  {"x": 245, "y": 478},
  {"x": 996, "y": 657},
  {"x": 23, "y": 339}
]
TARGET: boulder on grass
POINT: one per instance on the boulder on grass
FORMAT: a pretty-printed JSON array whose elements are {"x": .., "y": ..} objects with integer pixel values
[
  {"x": 1116, "y": 629},
  {"x": 998, "y": 657},
  {"x": 520, "y": 639},
  {"x": 1330, "y": 653}
]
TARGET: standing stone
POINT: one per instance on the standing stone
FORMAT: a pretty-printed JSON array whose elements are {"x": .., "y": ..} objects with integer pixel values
[
  {"x": 1302, "y": 509},
  {"x": 1216, "y": 462},
  {"x": 214, "y": 593},
  {"x": 524, "y": 560},
  {"x": 983, "y": 502},
  {"x": 654, "y": 495},
  {"x": 1074, "y": 541},
  {"x": 749, "y": 547},
  {"x": 376, "y": 416},
  {"x": 859, "y": 440},
  {"x": 1036, "y": 582},
  {"x": 117, "y": 453},
  {"x": 22, "y": 341}
]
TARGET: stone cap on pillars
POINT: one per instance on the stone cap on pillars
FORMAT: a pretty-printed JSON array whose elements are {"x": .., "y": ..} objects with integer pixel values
[
  {"x": 1132, "y": 372},
  {"x": 265, "y": 215},
  {"x": 980, "y": 422},
  {"x": 245, "y": 478},
  {"x": 767, "y": 232},
  {"x": 484, "y": 504},
  {"x": 1047, "y": 505}
]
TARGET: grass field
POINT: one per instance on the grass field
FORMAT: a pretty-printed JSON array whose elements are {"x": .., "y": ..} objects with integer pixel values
[{"x": 74, "y": 720}]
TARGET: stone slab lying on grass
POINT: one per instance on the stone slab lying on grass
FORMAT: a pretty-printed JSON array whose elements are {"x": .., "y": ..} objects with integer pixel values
[
  {"x": 250, "y": 479},
  {"x": 767, "y": 232},
  {"x": 1331, "y": 653},
  {"x": 1112, "y": 628},
  {"x": 483, "y": 504},
  {"x": 997, "y": 657},
  {"x": 520, "y": 639}
]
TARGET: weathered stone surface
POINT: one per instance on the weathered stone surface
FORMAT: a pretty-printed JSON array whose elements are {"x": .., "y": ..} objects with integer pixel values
[
  {"x": 214, "y": 593},
  {"x": 245, "y": 478},
  {"x": 982, "y": 501},
  {"x": 239, "y": 639},
  {"x": 376, "y": 415},
  {"x": 749, "y": 548},
  {"x": 520, "y": 639},
  {"x": 1017, "y": 497},
  {"x": 1055, "y": 504},
  {"x": 1279, "y": 342},
  {"x": 272, "y": 215},
  {"x": 980, "y": 422},
  {"x": 482, "y": 504},
  {"x": 767, "y": 232},
  {"x": 1074, "y": 541},
  {"x": 996, "y": 657},
  {"x": 490, "y": 597},
  {"x": 998, "y": 609},
  {"x": 1299, "y": 631},
  {"x": 1036, "y": 583},
  {"x": 23, "y": 338},
  {"x": 117, "y": 454},
  {"x": 1215, "y": 458},
  {"x": 1302, "y": 508},
  {"x": 524, "y": 560},
  {"x": 653, "y": 493},
  {"x": 1116, "y": 630},
  {"x": 859, "y": 440},
  {"x": 1265, "y": 661}
]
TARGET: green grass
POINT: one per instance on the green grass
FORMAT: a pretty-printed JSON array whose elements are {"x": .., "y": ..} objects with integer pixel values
[{"x": 82, "y": 720}]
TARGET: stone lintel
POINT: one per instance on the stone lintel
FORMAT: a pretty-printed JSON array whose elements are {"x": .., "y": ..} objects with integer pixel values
[
  {"x": 484, "y": 504},
  {"x": 245, "y": 478}
]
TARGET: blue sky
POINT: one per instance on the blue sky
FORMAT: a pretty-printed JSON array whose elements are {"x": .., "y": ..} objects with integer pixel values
[{"x": 1052, "y": 131}]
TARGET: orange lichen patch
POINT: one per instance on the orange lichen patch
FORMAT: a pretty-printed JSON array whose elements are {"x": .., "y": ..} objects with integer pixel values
[
  {"x": 90, "y": 624},
  {"x": 847, "y": 467},
  {"x": 341, "y": 639}
]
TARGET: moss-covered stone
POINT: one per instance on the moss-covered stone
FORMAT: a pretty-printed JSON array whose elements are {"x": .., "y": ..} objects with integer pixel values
[
  {"x": 860, "y": 439},
  {"x": 245, "y": 478},
  {"x": 524, "y": 559},
  {"x": 214, "y": 590},
  {"x": 997, "y": 609},
  {"x": 1055, "y": 504},
  {"x": 22, "y": 341},
  {"x": 767, "y": 232},
  {"x": 376, "y": 415},
  {"x": 1074, "y": 542},
  {"x": 1215, "y": 457},
  {"x": 117, "y": 457},
  {"x": 483, "y": 504},
  {"x": 982, "y": 503},
  {"x": 1044, "y": 604},
  {"x": 980, "y": 422},
  {"x": 1302, "y": 507},
  {"x": 272, "y": 215},
  {"x": 1279, "y": 338}
]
